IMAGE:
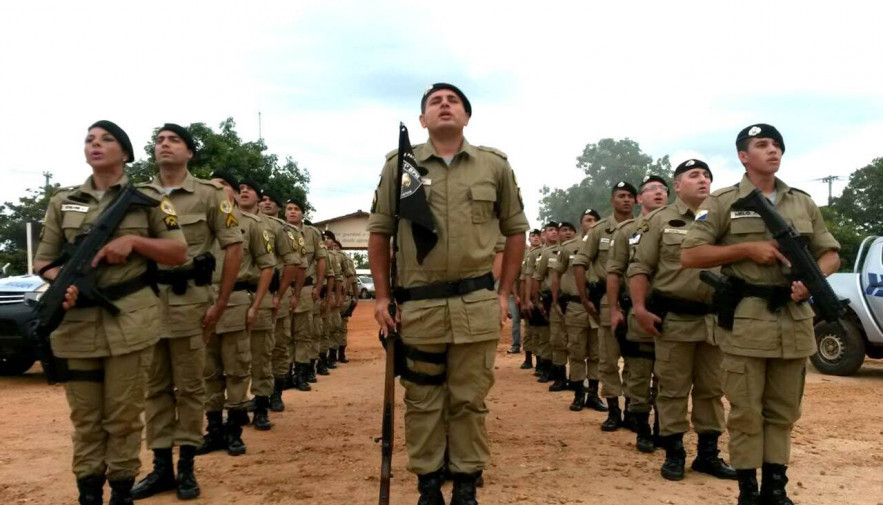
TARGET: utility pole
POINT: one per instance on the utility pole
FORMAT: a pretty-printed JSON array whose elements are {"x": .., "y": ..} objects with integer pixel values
[
  {"x": 830, "y": 180},
  {"x": 47, "y": 175},
  {"x": 260, "y": 135}
]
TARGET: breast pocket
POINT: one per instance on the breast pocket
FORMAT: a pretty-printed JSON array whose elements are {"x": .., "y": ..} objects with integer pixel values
[
  {"x": 483, "y": 202},
  {"x": 671, "y": 246},
  {"x": 135, "y": 223},
  {"x": 195, "y": 228},
  {"x": 748, "y": 228},
  {"x": 72, "y": 224},
  {"x": 803, "y": 226}
]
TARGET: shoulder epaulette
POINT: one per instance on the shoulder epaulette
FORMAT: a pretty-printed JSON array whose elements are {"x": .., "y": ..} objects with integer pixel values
[
  {"x": 207, "y": 182},
  {"x": 498, "y": 152},
  {"x": 254, "y": 217},
  {"x": 627, "y": 221},
  {"x": 391, "y": 154},
  {"x": 65, "y": 189},
  {"x": 801, "y": 191},
  {"x": 151, "y": 186},
  {"x": 723, "y": 191},
  {"x": 656, "y": 211}
]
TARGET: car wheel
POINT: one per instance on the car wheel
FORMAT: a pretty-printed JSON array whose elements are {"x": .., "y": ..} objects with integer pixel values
[
  {"x": 363, "y": 294},
  {"x": 16, "y": 364},
  {"x": 840, "y": 353}
]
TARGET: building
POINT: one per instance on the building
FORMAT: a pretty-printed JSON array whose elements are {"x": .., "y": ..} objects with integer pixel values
[{"x": 351, "y": 230}]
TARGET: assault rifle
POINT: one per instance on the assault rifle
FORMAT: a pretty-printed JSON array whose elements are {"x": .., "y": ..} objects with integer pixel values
[{"x": 77, "y": 270}]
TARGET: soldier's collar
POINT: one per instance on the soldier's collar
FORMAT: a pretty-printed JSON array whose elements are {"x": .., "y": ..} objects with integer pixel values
[
  {"x": 746, "y": 186},
  {"x": 88, "y": 187},
  {"x": 682, "y": 207},
  {"x": 428, "y": 151},
  {"x": 188, "y": 184}
]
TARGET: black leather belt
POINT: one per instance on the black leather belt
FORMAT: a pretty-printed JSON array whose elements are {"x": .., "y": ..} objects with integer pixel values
[
  {"x": 444, "y": 289},
  {"x": 245, "y": 286}
]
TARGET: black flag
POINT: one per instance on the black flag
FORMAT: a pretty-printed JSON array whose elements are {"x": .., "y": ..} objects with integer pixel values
[{"x": 412, "y": 199}]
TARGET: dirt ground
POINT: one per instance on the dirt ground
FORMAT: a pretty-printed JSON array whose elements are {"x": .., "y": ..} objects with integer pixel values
[{"x": 322, "y": 449}]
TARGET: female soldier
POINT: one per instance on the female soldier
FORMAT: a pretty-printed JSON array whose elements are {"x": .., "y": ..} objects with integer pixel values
[{"x": 108, "y": 355}]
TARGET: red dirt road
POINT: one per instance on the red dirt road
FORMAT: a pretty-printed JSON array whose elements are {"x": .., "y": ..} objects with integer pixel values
[{"x": 322, "y": 449}]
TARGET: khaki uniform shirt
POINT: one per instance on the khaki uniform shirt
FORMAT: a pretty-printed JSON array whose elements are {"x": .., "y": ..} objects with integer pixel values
[
  {"x": 564, "y": 266},
  {"x": 530, "y": 262},
  {"x": 622, "y": 251},
  {"x": 473, "y": 200},
  {"x": 267, "y": 234},
  {"x": 205, "y": 215},
  {"x": 287, "y": 252},
  {"x": 312, "y": 250},
  {"x": 757, "y": 331},
  {"x": 91, "y": 332},
  {"x": 546, "y": 261},
  {"x": 658, "y": 256},
  {"x": 593, "y": 256}
]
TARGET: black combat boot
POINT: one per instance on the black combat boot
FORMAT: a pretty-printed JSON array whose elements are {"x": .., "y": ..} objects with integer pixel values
[
  {"x": 538, "y": 370},
  {"x": 772, "y": 488},
  {"x": 579, "y": 396},
  {"x": 331, "y": 359},
  {"x": 429, "y": 486},
  {"x": 160, "y": 480},
  {"x": 593, "y": 401},
  {"x": 341, "y": 354},
  {"x": 213, "y": 440},
  {"x": 276, "y": 403},
  {"x": 311, "y": 371},
  {"x": 614, "y": 416},
  {"x": 748, "y": 494},
  {"x": 707, "y": 460},
  {"x": 548, "y": 371},
  {"x": 560, "y": 379},
  {"x": 91, "y": 490},
  {"x": 188, "y": 488},
  {"x": 302, "y": 376},
  {"x": 322, "y": 365},
  {"x": 528, "y": 361},
  {"x": 261, "y": 419},
  {"x": 290, "y": 376},
  {"x": 121, "y": 491},
  {"x": 464, "y": 489},
  {"x": 675, "y": 457},
  {"x": 236, "y": 419},
  {"x": 644, "y": 438},
  {"x": 628, "y": 418}
]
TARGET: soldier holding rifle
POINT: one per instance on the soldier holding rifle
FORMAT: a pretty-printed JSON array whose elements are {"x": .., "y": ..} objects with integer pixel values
[{"x": 450, "y": 316}]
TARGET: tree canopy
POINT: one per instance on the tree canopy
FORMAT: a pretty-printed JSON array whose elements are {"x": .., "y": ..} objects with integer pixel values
[
  {"x": 13, "y": 225},
  {"x": 225, "y": 150},
  {"x": 604, "y": 164},
  {"x": 857, "y": 212}
]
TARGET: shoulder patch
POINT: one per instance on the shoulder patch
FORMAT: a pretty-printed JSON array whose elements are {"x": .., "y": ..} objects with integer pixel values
[
  {"x": 226, "y": 206},
  {"x": 166, "y": 206},
  {"x": 702, "y": 215},
  {"x": 498, "y": 152}
]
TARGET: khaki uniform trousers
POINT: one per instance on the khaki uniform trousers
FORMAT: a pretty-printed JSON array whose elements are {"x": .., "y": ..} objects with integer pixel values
[
  {"x": 557, "y": 337},
  {"x": 765, "y": 396},
  {"x": 227, "y": 362},
  {"x": 608, "y": 365},
  {"x": 527, "y": 337},
  {"x": 327, "y": 331},
  {"x": 639, "y": 380},
  {"x": 262, "y": 345},
  {"x": 582, "y": 348},
  {"x": 303, "y": 342},
  {"x": 282, "y": 343},
  {"x": 106, "y": 416},
  {"x": 541, "y": 342},
  {"x": 318, "y": 330},
  {"x": 689, "y": 369},
  {"x": 450, "y": 416},
  {"x": 176, "y": 392}
]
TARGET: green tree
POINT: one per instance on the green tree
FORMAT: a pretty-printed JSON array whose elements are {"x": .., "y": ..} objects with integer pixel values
[
  {"x": 846, "y": 233},
  {"x": 857, "y": 212},
  {"x": 225, "y": 150},
  {"x": 604, "y": 164},
  {"x": 360, "y": 259},
  {"x": 13, "y": 218}
]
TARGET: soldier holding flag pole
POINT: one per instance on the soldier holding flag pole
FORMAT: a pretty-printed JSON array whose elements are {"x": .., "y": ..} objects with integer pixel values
[{"x": 453, "y": 201}]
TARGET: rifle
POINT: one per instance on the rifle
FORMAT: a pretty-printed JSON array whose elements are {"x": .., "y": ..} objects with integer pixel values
[
  {"x": 390, "y": 343},
  {"x": 804, "y": 267},
  {"x": 48, "y": 311}
]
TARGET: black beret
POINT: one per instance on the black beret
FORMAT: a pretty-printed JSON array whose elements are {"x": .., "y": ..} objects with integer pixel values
[
  {"x": 592, "y": 212},
  {"x": 443, "y": 85},
  {"x": 690, "y": 165},
  {"x": 226, "y": 177},
  {"x": 653, "y": 178},
  {"x": 274, "y": 195},
  {"x": 250, "y": 183},
  {"x": 338, "y": 244},
  {"x": 181, "y": 132},
  {"x": 761, "y": 131},
  {"x": 308, "y": 222},
  {"x": 120, "y": 136},
  {"x": 297, "y": 202},
  {"x": 624, "y": 186},
  {"x": 565, "y": 224},
  {"x": 551, "y": 224},
  {"x": 329, "y": 234},
  {"x": 535, "y": 232}
]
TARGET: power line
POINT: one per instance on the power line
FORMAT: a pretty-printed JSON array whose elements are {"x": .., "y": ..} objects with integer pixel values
[{"x": 830, "y": 180}]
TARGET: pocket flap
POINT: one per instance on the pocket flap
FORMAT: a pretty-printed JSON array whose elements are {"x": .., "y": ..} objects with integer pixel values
[
  {"x": 185, "y": 219},
  {"x": 733, "y": 367},
  {"x": 483, "y": 193},
  {"x": 479, "y": 296},
  {"x": 803, "y": 226},
  {"x": 72, "y": 220}
]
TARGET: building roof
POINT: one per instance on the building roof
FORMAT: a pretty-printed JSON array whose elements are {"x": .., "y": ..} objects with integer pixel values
[{"x": 356, "y": 214}]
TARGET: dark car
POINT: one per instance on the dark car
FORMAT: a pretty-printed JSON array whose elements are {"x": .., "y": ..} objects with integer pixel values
[{"x": 16, "y": 356}]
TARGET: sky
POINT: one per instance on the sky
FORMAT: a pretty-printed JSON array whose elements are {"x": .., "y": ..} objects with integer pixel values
[{"x": 332, "y": 80}]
